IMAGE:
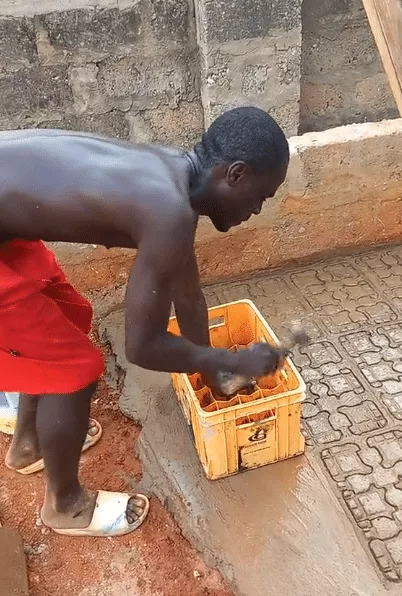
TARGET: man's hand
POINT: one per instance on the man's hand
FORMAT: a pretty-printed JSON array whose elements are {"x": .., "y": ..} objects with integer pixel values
[
  {"x": 259, "y": 360},
  {"x": 162, "y": 251},
  {"x": 227, "y": 384}
]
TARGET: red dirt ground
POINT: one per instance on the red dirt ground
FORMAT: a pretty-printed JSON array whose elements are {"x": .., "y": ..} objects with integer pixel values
[{"x": 154, "y": 561}]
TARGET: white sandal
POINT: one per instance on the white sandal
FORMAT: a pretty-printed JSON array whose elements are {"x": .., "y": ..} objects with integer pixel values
[{"x": 109, "y": 516}]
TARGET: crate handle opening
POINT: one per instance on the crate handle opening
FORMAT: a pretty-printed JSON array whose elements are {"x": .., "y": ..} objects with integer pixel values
[
  {"x": 217, "y": 322},
  {"x": 264, "y": 420},
  {"x": 272, "y": 415}
]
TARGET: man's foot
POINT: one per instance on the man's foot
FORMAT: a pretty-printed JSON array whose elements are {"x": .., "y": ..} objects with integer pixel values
[
  {"x": 95, "y": 514},
  {"x": 24, "y": 452}
]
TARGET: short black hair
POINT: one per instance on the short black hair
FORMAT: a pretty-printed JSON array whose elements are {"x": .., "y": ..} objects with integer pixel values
[{"x": 246, "y": 134}]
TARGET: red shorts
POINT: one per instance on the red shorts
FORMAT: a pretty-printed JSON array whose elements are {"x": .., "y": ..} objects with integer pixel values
[{"x": 44, "y": 325}]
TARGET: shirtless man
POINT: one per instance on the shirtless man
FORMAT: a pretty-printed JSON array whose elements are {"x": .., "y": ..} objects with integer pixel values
[{"x": 71, "y": 187}]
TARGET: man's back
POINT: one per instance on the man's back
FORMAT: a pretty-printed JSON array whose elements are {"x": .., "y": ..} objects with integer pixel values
[{"x": 57, "y": 185}]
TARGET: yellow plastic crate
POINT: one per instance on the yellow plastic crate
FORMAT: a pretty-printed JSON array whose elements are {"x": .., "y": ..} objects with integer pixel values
[{"x": 250, "y": 430}]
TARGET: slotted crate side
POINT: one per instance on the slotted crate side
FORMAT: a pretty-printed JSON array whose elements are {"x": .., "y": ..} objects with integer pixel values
[
  {"x": 223, "y": 447},
  {"x": 275, "y": 438}
]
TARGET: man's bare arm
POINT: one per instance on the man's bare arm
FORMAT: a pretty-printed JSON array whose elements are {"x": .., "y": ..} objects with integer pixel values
[
  {"x": 192, "y": 315},
  {"x": 149, "y": 296},
  {"x": 190, "y": 305}
]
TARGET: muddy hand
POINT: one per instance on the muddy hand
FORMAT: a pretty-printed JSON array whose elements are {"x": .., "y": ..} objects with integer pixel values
[
  {"x": 260, "y": 359},
  {"x": 227, "y": 384}
]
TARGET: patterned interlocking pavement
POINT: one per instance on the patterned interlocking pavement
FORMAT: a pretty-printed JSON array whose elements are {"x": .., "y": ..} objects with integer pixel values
[{"x": 352, "y": 309}]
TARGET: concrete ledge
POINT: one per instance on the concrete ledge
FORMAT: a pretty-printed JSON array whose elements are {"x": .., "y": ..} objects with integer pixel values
[
  {"x": 343, "y": 191},
  {"x": 91, "y": 267}
]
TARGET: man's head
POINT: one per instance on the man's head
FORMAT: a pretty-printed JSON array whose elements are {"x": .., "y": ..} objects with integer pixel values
[{"x": 244, "y": 157}]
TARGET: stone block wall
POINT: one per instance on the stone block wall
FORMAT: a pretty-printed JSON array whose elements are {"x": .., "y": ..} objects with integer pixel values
[
  {"x": 159, "y": 70},
  {"x": 342, "y": 77},
  {"x": 250, "y": 54},
  {"x": 130, "y": 73}
]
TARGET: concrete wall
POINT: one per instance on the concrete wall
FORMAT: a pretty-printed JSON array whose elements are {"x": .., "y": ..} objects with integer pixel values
[
  {"x": 157, "y": 70},
  {"x": 342, "y": 77},
  {"x": 250, "y": 53},
  {"x": 343, "y": 190},
  {"x": 129, "y": 73}
]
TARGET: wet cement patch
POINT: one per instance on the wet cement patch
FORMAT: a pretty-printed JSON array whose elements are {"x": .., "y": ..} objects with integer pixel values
[{"x": 329, "y": 523}]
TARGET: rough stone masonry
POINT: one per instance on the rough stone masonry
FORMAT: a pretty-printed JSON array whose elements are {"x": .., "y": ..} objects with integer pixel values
[
  {"x": 156, "y": 70},
  {"x": 129, "y": 73}
]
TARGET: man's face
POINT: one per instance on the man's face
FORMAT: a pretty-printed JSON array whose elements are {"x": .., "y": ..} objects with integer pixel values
[{"x": 237, "y": 193}]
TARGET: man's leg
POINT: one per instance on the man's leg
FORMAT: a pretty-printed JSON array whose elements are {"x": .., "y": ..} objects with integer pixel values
[
  {"x": 24, "y": 448},
  {"x": 62, "y": 423}
]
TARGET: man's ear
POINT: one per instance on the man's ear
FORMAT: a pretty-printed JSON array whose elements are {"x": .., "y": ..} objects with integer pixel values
[{"x": 235, "y": 172}]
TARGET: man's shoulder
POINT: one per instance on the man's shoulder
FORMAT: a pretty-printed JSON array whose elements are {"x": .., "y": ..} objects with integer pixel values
[
  {"x": 165, "y": 187},
  {"x": 170, "y": 220},
  {"x": 174, "y": 213},
  {"x": 169, "y": 165}
]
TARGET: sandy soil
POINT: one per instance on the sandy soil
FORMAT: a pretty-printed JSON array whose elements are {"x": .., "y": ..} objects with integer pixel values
[{"x": 155, "y": 560}]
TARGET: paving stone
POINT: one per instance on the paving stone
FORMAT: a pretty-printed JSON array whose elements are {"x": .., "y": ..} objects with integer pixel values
[{"x": 352, "y": 308}]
